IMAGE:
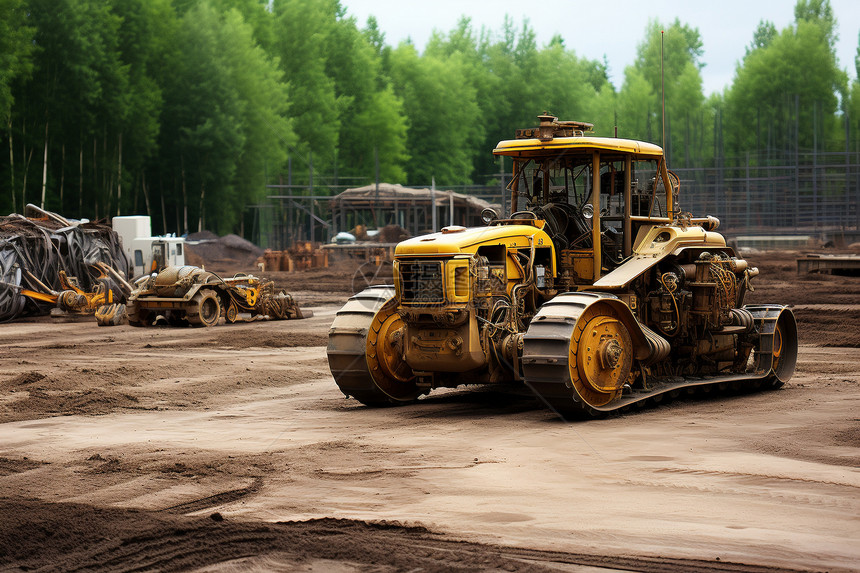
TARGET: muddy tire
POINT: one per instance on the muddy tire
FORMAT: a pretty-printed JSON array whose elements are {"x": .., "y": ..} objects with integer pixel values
[
  {"x": 231, "y": 315},
  {"x": 205, "y": 309},
  {"x": 363, "y": 364},
  {"x": 110, "y": 314},
  {"x": 577, "y": 355}
]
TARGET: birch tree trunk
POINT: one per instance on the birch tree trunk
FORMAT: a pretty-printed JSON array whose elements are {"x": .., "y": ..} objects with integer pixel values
[
  {"x": 24, "y": 184},
  {"x": 163, "y": 210},
  {"x": 81, "y": 180},
  {"x": 163, "y": 214},
  {"x": 44, "y": 167},
  {"x": 11, "y": 164},
  {"x": 145, "y": 194},
  {"x": 184, "y": 196},
  {"x": 95, "y": 176},
  {"x": 119, "y": 178},
  {"x": 202, "y": 196},
  {"x": 109, "y": 201},
  {"x": 26, "y": 163},
  {"x": 62, "y": 173},
  {"x": 105, "y": 185}
]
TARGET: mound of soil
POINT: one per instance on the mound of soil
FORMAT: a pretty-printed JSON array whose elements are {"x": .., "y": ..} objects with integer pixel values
[
  {"x": 203, "y": 235},
  {"x": 825, "y": 305},
  {"x": 228, "y": 254},
  {"x": 90, "y": 402},
  {"x": 393, "y": 234}
]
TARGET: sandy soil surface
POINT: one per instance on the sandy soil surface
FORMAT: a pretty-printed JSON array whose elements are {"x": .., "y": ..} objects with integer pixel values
[{"x": 231, "y": 448}]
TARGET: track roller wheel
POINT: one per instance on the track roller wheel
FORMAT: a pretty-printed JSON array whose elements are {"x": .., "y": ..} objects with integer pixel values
[
  {"x": 601, "y": 355},
  {"x": 578, "y": 354},
  {"x": 205, "y": 309},
  {"x": 784, "y": 349},
  {"x": 364, "y": 350},
  {"x": 775, "y": 353}
]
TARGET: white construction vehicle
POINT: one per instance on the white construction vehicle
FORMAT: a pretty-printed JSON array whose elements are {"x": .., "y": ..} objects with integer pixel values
[{"x": 147, "y": 254}]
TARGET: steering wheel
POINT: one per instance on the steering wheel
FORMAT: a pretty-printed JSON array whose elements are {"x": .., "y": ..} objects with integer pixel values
[
  {"x": 562, "y": 213},
  {"x": 529, "y": 215}
]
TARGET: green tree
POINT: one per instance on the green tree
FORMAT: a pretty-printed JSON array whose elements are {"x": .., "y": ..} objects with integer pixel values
[
  {"x": 637, "y": 103},
  {"x": 76, "y": 99},
  {"x": 819, "y": 12},
  {"x": 764, "y": 34},
  {"x": 374, "y": 35},
  {"x": 225, "y": 119},
  {"x": 145, "y": 32},
  {"x": 786, "y": 93},
  {"x": 202, "y": 136},
  {"x": 669, "y": 62},
  {"x": 515, "y": 81},
  {"x": 16, "y": 46},
  {"x": 852, "y": 111},
  {"x": 255, "y": 13},
  {"x": 371, "y": 117},
  {"x": 302, "y": 29},
  {"x": 487, "y": 71},
  {"x": 442, "y": 108},
  {"x": 267, "y": 132},
  {"x": 569, "y": 86}
]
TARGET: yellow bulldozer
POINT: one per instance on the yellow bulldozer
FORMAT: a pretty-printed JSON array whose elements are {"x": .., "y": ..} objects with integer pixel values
[{"x": 596, "y": 292}]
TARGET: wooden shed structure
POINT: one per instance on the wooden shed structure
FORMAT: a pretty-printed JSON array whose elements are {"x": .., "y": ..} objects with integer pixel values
[{"x": 418, "y": 211}]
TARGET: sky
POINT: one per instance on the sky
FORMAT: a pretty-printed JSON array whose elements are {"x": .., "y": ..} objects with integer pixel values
[{"x": 594, "y": 28}]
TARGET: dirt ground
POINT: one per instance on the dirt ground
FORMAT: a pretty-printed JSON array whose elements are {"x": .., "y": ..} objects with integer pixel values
[{"x": 231, "y": 448}]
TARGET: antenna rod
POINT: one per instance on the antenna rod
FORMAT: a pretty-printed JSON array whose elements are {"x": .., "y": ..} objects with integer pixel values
[{"x": 662, "y": 94}]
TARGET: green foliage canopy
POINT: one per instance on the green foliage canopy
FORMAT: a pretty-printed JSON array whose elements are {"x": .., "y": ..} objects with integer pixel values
[{"x": 187, "y": 109}]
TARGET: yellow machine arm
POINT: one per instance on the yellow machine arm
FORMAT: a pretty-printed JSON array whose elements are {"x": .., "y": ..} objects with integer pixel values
[{"x": 72, "y": 298}]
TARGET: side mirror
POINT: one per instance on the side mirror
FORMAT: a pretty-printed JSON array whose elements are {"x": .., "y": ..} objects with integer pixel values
[{"x": 588, "y": 211}]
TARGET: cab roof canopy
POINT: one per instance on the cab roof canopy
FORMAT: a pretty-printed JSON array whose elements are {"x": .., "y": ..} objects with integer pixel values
[{"x": 554, "y": 135}]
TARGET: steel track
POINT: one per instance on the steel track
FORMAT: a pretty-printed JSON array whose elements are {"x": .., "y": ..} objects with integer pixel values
[
  {"x": 347, "y": 346},
  {"x": 546, "y": 351}
]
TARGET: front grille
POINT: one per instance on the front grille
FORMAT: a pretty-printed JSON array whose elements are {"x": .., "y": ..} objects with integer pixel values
[{"x": 421, "y": 282}]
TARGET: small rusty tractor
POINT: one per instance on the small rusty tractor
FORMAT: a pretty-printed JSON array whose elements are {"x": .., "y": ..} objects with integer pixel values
[{"x": 193, "y": 296}]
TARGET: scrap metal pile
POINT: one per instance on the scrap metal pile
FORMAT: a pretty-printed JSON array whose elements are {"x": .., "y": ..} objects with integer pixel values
[{"x": 44, "y": 253}]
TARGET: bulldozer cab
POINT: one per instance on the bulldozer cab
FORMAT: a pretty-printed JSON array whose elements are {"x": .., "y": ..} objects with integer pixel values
[{"x": 594, "y": 193}]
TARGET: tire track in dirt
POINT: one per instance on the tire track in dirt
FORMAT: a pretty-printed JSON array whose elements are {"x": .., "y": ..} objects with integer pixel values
[
  {"x": 215, "y": 500},
  {"x": 842, "y": 495},
  {"x": 113, "y": 539}
]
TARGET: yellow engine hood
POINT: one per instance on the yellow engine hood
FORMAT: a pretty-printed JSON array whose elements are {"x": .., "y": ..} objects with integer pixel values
[{"x": 457, "y": 240}]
